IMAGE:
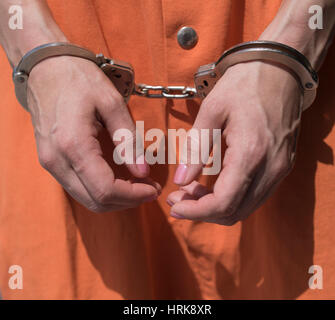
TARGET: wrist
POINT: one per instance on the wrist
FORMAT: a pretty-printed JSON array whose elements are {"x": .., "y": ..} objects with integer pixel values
[
  {"x": 26, "y": 42},
  {"x": 291, "y": 27},
  {"x": 38, "y": 28}
]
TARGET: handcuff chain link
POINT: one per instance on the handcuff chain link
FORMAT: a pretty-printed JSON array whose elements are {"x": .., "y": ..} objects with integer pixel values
[
  {"x": 172, "y": 92},
  {"x": 122, "y": 74}
]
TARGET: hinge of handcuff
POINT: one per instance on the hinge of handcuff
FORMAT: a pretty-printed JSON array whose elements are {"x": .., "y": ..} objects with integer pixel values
[{"x": 122, "y": 74}]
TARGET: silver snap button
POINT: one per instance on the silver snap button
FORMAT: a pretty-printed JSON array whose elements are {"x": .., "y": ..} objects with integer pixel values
[{"x": 187, "y": 38}]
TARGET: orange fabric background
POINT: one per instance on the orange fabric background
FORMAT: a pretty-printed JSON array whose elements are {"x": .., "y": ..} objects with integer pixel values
[{"x": 67, "y": 252}]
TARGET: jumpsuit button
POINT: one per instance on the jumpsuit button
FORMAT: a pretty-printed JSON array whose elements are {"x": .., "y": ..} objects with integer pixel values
[{"x": 187, "y": 38}]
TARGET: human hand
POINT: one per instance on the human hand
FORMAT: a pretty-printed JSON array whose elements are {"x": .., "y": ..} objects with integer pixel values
[
  {"x": 258, "y": 107},
  {"x": 70, "y": 100}
]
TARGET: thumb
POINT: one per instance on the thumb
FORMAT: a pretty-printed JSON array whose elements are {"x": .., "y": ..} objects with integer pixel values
[
  {"x": 129, "y": 144},
  {"x": 198, "y": 145}
]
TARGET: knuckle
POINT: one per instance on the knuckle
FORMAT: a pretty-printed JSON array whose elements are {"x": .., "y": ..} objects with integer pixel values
[
  {"x": 102, "y": 197},
  {"x": 256, "y": 146},
  {"x": 214, "y": 107},
  {"x": 226, "y": 212},
  {"x": 282, "y": 166},
  {"x": 70, "y": 147},
  {"x": 115, "y": 102},
  {"x": 118, "y": 99},
  {"x": 126, "y": 136},
  {"x": 46, "y": 158},
  {"x": 65, "y": 142}
]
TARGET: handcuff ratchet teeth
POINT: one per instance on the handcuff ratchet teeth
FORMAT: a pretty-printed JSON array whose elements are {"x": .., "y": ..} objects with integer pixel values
[{"x": 122, "y": 74}]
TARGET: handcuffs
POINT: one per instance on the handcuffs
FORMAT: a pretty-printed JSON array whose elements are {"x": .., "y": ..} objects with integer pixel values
[{"x": 122, "y": 74}]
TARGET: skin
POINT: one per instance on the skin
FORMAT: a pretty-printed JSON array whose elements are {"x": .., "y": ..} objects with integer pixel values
[
  {"x": 259, "y": 120},
  {"x": 68, "y": 109},
  {"x": 67, "y": 123},
  {"x": 260, "y": 138}
]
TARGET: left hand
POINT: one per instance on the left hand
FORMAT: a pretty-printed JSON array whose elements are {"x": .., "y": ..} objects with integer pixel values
[{"x": 257, "y": 105}]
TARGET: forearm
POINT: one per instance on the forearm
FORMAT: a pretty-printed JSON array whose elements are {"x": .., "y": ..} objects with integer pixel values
[
  {"x": 291, "y": 27},
  {"x": 38, "y": 28}
]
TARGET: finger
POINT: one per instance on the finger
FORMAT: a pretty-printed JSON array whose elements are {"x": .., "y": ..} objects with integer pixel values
[
  {"x": 199, "y": 143},
  {"x": 59, "y": 168},
  {"x": 267, "y": 181},
  {"x": 193, "y": 191},
  {"x": 177, "y": 196},
  {"x": 268, "y": 177},
  {"x": 62, "y": 172},
  {"x": 232, "y": 184},
  {"x": 75, "y": 188},
  {"x": 129, "y": 144},
  {"x": 100, "y": 182},
  {"x": 196, "y": 189},
  {"x": 85, "y": 157},
  {"x": 229, "y": 190},
  {"x": 148, "y": 181}
]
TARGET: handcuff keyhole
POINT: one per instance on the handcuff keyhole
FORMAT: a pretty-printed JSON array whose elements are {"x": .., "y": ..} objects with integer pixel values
[
  {"x": 205, "y": 83},
  {"x": 117, "y": 75}
]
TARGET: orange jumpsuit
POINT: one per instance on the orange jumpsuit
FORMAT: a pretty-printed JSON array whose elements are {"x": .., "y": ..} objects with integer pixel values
[{"x": 67, "y": 252}]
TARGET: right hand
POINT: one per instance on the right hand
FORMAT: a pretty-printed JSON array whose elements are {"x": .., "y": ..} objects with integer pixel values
[{"x": 70, "y": 100}]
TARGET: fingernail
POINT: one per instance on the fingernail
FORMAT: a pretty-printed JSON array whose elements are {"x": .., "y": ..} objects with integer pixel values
[
  {"x": 180, "y": 174},
  {"x": 176, "y": 215},
  {"x": 141, "y": 165},
  {"x": 150, "y": 199},
  {"x": 169, "y": 202}
]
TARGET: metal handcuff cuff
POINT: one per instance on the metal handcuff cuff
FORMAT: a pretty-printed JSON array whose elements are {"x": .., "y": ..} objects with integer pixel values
[{"x": 122, "y": 74}]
